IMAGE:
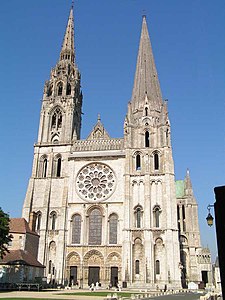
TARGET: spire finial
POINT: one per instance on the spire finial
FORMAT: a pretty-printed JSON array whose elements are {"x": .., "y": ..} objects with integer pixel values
[
  {"x": 72, "y": 6},
  {"x": 144, "y": 14},
  {"x": 99, "y": 117}
]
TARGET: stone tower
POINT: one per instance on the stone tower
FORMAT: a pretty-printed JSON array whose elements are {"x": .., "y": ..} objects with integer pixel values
[
  {"x": 150, "y": 226},
  {"x": 60, "y": 120},
  {"x": 60, "y": 125},
  {"x": 195, "y": 260}
]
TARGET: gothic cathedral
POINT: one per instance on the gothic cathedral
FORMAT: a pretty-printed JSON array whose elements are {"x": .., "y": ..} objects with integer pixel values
[{"x": 109, "y": 209}]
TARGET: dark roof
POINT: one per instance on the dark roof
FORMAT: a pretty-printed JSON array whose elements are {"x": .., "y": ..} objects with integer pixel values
[
  {"x": 20, "y": 257},
  {"x": 20, "y": 225}
]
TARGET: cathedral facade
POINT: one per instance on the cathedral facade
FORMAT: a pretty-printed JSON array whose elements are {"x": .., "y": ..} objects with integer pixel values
[{"x": 109, "y": 209}]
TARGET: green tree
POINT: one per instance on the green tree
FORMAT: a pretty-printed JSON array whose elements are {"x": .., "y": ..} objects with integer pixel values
[{"x": 5, "y": 236}]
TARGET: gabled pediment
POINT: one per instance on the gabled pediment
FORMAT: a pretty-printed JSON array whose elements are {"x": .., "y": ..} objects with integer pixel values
[{"x": 98, "y": 132}]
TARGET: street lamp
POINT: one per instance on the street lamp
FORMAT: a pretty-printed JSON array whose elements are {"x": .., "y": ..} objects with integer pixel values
[{"x": 209, "y": 218}]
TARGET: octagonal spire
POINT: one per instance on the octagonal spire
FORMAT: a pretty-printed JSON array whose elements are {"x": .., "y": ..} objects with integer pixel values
[
  {"x": 146, "y": 81},
  {"x": 68, "y": 51}
]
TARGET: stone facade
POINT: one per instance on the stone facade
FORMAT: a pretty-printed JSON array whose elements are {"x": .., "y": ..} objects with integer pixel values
[{"x": 106, "y": 208}]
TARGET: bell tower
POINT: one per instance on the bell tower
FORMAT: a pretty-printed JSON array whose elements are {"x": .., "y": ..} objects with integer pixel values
[
  {"x": 150, "y": 222},
  {"x": 60, "y": 119}
]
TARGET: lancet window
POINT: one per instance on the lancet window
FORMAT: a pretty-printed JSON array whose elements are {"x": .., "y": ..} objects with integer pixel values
[
  {"x": 43, "y": 167},
  {"x": 68, "y": 89},
  {"x": 138, "y": 216},
  {"x": 38, "y": 221},
  {"x": 95, "y": 227},
  {"x": 156, "y": 212},
  {"x": 53, "y": 217},
  {"x": 138, "y": 162},
  {"x": 146, "y": 111},
  {"x": 56, "y": 119},
  {"x": 60, "y": 88},
  {"x": 76, "y": 229},
  {"x": 50, "y": 89},
  {"x": 147, "y": 139},
  {"x": 57, "y": 169},
  {"x": 113, "y": 222},
  {"x": 156, "y": 161}
]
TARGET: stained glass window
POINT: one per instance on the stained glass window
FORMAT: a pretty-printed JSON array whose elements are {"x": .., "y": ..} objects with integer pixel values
[
  {"x": 95, "y": 227},
  {"x": 76, "y": 229},
  {"x": 113, "y": 220}
]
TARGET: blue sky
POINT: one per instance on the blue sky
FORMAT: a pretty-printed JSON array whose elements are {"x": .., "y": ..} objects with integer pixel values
[{"x": 188, "y": 39}]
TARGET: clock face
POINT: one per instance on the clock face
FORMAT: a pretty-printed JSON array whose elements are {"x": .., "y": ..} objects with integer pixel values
[{"x": 95, "y": 182}]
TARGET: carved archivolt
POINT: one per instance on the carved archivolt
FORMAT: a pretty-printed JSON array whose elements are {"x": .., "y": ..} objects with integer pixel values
[
  {"x": 95, "y": 182},
  {"x": 73, "y": 259},
  {"x": 114, "y": 258},
  {"x": 93, "y": 257}
]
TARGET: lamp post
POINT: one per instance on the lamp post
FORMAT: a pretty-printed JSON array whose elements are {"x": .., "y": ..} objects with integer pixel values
[{"x": 209, "y": 218}]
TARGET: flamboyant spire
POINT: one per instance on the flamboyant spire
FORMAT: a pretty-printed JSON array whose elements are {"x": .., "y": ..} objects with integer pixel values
[
  {"x": 146, "y": 81},
  {"x": 67, "y": 51}
]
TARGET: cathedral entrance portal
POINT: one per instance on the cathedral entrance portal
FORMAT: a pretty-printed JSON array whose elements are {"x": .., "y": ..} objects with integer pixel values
[
  {"x": 114, "y": 276},
  {"x": 73, "y": 275},
  {"x": 93, "y": 275}
]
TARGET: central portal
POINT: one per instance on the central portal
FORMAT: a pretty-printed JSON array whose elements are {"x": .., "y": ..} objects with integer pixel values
[
  {"x": 93, "y": 275},
  {"x": 114, "y": 276}
]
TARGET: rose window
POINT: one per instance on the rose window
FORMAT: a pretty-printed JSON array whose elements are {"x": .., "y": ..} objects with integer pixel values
[{"x": 95, "y": 181}]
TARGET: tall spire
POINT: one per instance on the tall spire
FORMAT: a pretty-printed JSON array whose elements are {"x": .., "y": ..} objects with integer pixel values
[
  {"x": 67, "y": 51},
  {"x": 146, "y": 81},
  {"x": 188, "y": 185}
]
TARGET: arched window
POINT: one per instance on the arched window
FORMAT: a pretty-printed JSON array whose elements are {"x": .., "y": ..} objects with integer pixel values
[
  {"x": 38, "y": 221},
  {"x": 113, "y": 221},
  {"x": 58, "y": 167},
  {"x": 137, "y": 266},
  {"x": 43, "y": 167},
  {"x": 49, "y": 92},
  {"x": 138, "y": 216},
  {"x": 68, "y": 89},
  {"x": 138, "y": 162},
  {"x": 60, "y": 88},
  {"x": 157, "y": 267},
  {"x": 44, "y": 170},
  {"x": 146, "y": 111},
  {"x": 76, "y": 229},
  {"x": 156, "y": 212},
  {"x": 95, "y": 227},
  {"x": 147, "y": 140},
  {"x": 53, "y": 217},
  {"x": 156, "y": 161},
  {"x": 56, "y": 119}
]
